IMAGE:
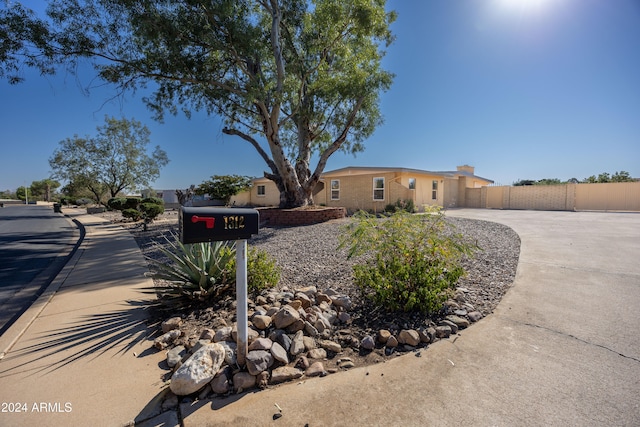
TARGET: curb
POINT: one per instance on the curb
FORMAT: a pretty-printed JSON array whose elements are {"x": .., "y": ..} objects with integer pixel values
[{"x": 9, "y": 338}]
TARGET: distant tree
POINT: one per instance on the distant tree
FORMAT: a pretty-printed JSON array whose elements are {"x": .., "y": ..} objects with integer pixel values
[
  {"x": 622, "y": 176},
  {"x": 549, "y": 181},
  {"x": 522, "y": 182},
  {"x": 23, "y": 193},
  {"x": 7, "y": 194},
  {"x": 116, "y": 159},
  {"x": 223, "y": 187},
  {"x": 42, "y": 190},
  {"x": 304, "y": 76}
]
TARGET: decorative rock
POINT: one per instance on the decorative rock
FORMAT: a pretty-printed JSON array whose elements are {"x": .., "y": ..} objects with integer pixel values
[
  {"x": 460, "y": 312},
  {"x": 302, "y": 363},
  {"x": 230, "y": 352},
  {"x": 285, "y": 373},
  {"x": 308, "y": 290},
  {"x": 330, "y": 346},
  {"x": 320, "y": 297},
  {"x": 315, "y": 370},
  {"x": 198, "y": 345},
  {"x": 460, "y": 322},
  {"x": 297, "y": 344},
  {"x": 252, "y": 334},
  {"x": 409, "y": 336},
  {"x": 175, "y": 355},
  {"x": 171, "y": 324},
  {"x": 262, "y": 379},
  {"x": 285, "y": 317},
  {"x": 426, "y": 336},
  {"x": 261, "y": 344},
  {"x": 443, "y": 331},
  {"x": 304, "y": 299},
  {"x": 344, "y": 317},
  {"x": 279, "y": 353},
  {"x": 261, "y": 322},
  {"x": 220, "y": 384},
  {"x": 346, "y": 363},
  {"x": 317, "y": 353},
  {"x": 243, "y": 381},
  {"x": 453, "y": 326},
  {"x": 261, "y": 300},
  {"x": 164, "y": 340},
  {"x": 383, "y": 336},
  {"x": 207, "y": 334},
  {"x": 198, "y": 370},
  {"x": 392, "y": 342},
  {"x": 474, "y": 316},
  {"x": 309, "y": 343},
  {"x": 368, "y": 343},
  {"x": 296, "y": 326},
  {"x": 342, "y": 301},
  {"x": 281, "y": 338},
  {"x": 310, "y": 329},
  {"x": 296, "y": 304},
  {"x": 258, "y": 361},
  {"x": 223, "y": 334}
]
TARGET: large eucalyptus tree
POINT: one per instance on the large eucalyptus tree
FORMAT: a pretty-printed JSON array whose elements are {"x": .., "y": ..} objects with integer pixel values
[{"x": 293, "y": 78}]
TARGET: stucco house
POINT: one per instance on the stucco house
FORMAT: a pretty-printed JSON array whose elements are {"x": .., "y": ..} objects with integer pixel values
[{"x": 372, "y": 188}]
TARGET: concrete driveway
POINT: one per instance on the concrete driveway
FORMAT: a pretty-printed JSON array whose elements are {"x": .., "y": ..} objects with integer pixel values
[{"x": 561, "y": 349}]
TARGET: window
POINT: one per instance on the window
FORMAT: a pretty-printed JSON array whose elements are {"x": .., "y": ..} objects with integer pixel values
[
  {"x": 378, "y": 188},
  {"x": 412, "y": 183},
  {"x": 261, "y": 190},
  {"x": 434, "y": 190},
  {"x": 335, "y": 189}
]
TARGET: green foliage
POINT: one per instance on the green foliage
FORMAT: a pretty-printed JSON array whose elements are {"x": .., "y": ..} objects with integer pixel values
[
  {"x": 401, "y": 205},
  {"x": 115, "y": 160},
  {"x": 223, "y": 187},
  {"x": 622, "y": 176},
  {"x": 43, "y": 190},
  {"x": 133, "y": 214},
  {"x": 117, "y": 203},
  {"x": 414, "y": 260},
  {"x": 151, "y": 210},
  {"x": 204, "y": 271},
  {"x": 305, "y": 76},
  {"x": 197, "y": 271}
]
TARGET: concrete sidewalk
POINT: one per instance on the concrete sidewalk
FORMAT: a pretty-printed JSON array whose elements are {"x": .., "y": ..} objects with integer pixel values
[
  {"x": 82, "y": 356},
  {"x": 562, "y": 349}
]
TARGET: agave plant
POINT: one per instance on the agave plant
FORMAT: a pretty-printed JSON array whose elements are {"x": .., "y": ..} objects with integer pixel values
[{"x": 198, "y": 271}]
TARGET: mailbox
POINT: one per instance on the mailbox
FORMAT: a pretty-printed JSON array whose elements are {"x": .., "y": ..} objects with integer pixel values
[{"x": 205, "y": 224}]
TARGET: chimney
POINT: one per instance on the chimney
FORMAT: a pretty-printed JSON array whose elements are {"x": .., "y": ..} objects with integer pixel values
[{"x": 466, "y": 168}]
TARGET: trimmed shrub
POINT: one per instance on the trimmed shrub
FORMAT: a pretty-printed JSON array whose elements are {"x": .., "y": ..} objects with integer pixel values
[
  {"x": 132, "y": 214},
  {"x": 150, "y": 211},
  {"x": 117, "y": 203},
  {"x": 414, "y": 263}
]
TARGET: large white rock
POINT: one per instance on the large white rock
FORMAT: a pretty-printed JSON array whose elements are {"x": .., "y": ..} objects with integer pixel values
[{"x": 197, "y": 370}]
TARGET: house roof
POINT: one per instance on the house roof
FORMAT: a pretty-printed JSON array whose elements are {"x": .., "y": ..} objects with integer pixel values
[{"x": 356, "y": 170}]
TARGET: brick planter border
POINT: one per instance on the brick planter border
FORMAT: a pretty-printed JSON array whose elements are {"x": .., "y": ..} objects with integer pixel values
[{"x": 299, "y": 216}]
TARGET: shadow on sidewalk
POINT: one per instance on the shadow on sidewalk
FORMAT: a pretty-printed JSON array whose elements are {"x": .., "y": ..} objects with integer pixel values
[{"x": 89, "y": 336}]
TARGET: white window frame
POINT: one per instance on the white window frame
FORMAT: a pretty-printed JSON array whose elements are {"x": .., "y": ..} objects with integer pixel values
[
  {"x": 412, "y": 183},
  {"x": 376, "y": 179},
  {"x": 335, "y": 190},
  {"x": 264, "y": 190}
]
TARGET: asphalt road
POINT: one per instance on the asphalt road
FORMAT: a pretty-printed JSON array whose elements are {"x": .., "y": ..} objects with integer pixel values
[{"x": 35, "y": 244}]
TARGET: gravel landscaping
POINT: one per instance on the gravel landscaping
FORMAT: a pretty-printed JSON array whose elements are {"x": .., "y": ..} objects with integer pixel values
[{"x": 309, "y": 258}]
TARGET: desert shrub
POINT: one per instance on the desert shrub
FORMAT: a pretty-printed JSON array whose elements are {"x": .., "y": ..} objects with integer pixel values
[
  {"x": 205, "y": 271},
  {"x": 155, "y": 200},
  {"x": 414, "y": 262},
  {"x": 262, "y": 270},
  {"x": 406, "y": 205},
  {"x": 131, "y": 203},
  {"x": 132, "y": 214}
]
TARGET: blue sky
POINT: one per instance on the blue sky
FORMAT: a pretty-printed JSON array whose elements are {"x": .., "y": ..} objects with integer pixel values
[{"x": 520, "y": 89}]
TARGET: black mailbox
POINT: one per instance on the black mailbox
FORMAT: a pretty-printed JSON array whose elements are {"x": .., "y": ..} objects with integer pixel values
[{"x": 204, "y": 224}]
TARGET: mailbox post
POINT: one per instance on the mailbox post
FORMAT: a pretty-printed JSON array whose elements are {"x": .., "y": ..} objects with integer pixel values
[{"x": 204, "y": 224}]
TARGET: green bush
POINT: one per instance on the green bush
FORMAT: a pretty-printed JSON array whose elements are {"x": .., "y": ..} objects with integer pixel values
[
  {"x": 132, "y": 214},
  {"x": 415, "y": 260},
  {"x": 151, "y": 211},
  {"x": 406, "y": 205},
  {"x": 154, "y": 200},
  {"x": 131, "y": 203},
  {"x": 204, "y": 271},
  {"x": 117, "y": 203}
]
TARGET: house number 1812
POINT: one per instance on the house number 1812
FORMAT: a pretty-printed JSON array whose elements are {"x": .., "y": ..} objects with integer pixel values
[{"x": 233, "y": 222}]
